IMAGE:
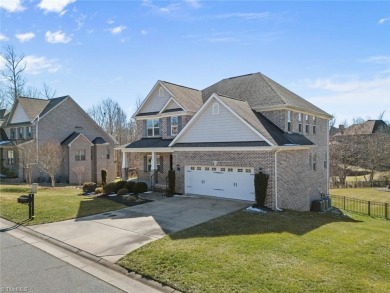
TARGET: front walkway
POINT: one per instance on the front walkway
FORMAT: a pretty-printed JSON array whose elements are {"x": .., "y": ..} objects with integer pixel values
[{"x": 113, "y": 234}]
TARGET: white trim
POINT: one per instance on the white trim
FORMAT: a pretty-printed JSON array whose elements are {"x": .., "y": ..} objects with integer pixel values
[
  {"x": 145, "y": 150},
  {"x": 150, "y": 94},
  {"x": 240, "y": 148},
  {"x": 163, "y": 115},
  {"x": 166, "y": 104},
  {"x": 70, "y": 144},
  {"x": 194, "y": 118}
]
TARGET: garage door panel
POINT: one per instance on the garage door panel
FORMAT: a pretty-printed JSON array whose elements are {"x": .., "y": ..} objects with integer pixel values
[{"x": 226, "y": 182}]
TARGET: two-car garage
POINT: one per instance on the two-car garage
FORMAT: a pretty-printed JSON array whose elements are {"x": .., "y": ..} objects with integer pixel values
[{"x": 226, "y": 182}]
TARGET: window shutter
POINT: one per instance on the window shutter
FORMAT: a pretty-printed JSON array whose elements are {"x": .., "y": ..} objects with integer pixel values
[
  {"x": 169, "y": 129},
  {"x": 310, "y": 161},
  {"x": 161, "y": 167},
  {"x": 179, "y": 123},
  {"x": 145, "y": 134},
  {"x": 145, "y": 164}
]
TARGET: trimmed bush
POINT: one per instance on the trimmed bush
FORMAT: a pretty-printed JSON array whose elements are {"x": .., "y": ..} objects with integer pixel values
[
  {"x": 122, "y": 191},
  {"x": 99, "y": 190},
  {"x": 110, "y": 187},
  {"x": 89, "y": 187},
  {"x": 140, "y": 187},
  {"x": 130, "y": 186},
  {"x": 120, "y": 185},
  {"x": 171, "y": 182},
  {"x": 261, "y": 184}
]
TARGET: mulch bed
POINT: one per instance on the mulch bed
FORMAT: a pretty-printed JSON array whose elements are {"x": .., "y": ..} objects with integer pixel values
[{"x": 129, "y": 200}]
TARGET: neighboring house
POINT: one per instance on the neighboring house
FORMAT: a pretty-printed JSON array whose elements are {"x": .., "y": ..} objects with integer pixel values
[
  {"x": 367, "y": 128},
  {"x": 87, "y": 148},
  {"x": 217, "y": 138}
]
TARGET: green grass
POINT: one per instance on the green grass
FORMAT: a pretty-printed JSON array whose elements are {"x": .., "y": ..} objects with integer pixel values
[
  {"x": 369, "y": 194},
  {"x": 272, "y": 252},
  {"x": 51, "y": 205}
]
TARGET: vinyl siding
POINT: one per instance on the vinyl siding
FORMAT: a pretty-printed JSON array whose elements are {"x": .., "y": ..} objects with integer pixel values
[
  {"x": 155, "y": 102},
  {"x": 19, "y": 115},
  {"x": 224, "y": 127},
  {"x": 172, "y": 105}
]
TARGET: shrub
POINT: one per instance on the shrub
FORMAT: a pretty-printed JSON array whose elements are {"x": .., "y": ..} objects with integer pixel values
[
  {"x": 171, "y": 182},
  {"x": 103, "y": 173},
  {"x": 110, "y": 187},
  {"x": 130, "y": 186},
  {"x": 131, "y": 199},
  {"x": 89, "y": 187},
  {"x": 122, "y": 191},
  {"x": 261, "y": 184},
  {"x": 99, "y": 190},
  {"x": 120, "y": 185},
  {"x": 140, "y": 187}
]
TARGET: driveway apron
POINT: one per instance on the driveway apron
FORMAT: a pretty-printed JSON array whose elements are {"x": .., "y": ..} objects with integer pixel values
[{"x": 112, "y": 235}]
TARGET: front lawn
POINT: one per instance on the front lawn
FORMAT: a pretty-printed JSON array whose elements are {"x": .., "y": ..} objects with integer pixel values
[
  {"x": 51, "y": 205},
  {"x": 273, "y": 252},
  {"x": 369, "y": 194}
]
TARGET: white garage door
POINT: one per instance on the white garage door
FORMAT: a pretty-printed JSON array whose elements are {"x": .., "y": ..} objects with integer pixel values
[{"x": 227, "y": 182}]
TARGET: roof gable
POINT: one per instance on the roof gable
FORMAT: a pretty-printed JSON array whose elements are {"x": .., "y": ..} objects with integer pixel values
[
  {"x": 226, "y": 126},
  {"x": 33, "y": 107},
  {"x": 260, "y": 92},
  {"x": 74, "y": 137},
  {"x": 171, "y": 105},
  {"x": 155, "y": 100},
  {"x": 367, "y": 127},
  {"x": 19, "y": 115}
]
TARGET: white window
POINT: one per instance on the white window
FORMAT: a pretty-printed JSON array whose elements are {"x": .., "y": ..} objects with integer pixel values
[
  {"x": 307, "y": 124},
  {"x": 230, "y": 169},
  {"x": 28, "y": 132},
  {"x": 108, "y": 153},
  {"x": 80, "y": 155},
  {"x": 240, "y": 170},
  {"x": 215, "y": 109},
  {"x": 11, "y": 158},
  {"x": 174, "y": 125},
  {"x": 300, "y": 122},
  {"x": 199, "y": 168},
  {"x": 223, "y": 169},
  {"x": 149, "y": 158},
  {"x": 289, "y": 121},
  {"x": 213, "y": 169},
  {"x": 192, "y": 168},
  {"x": 314, "y": 124},
  {"x": 247, "y": 170},
  {"x": 153, "y": 127},
  {"x": 206, "y": 168}
]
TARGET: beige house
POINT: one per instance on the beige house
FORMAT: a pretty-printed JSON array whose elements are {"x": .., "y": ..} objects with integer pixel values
[
  {"x": 216, "y": 139},
  {"x": 87, "y": 148}
]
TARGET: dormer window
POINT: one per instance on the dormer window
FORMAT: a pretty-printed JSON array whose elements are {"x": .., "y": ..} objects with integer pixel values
[
  {"x": 215, "y": 109},
  {"x": 153, "y": 127}
]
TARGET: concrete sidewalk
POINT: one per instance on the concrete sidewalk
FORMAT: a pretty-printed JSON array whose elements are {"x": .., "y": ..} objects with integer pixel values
[{"x": 113, "y": 234}]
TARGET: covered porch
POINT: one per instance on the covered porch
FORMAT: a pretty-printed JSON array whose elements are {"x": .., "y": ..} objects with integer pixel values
[{"x": 149, "y": 159}]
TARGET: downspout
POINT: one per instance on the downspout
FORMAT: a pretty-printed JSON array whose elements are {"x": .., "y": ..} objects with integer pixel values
[
  {"x": 327, "y": 161},
  {"x": 276, "y": 181}
]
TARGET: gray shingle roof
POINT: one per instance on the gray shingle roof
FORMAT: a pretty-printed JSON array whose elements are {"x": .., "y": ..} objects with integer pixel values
[
  {"x": 99, "y": 140},
  {"x": 259, "y": 91},
  {"x": 70, "y": 138},
  {"x": 52, "y": 103},
  {"x": 32, "y": 106},
  {"x": 367, "y": 127},
  {"x": 189, "y": 98},
  {"x": 223, "y": 144},
  {"x": 150, "y": 143}
]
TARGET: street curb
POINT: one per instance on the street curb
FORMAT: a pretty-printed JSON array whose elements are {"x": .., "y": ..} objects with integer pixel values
[{"x": 96, "y": 259}]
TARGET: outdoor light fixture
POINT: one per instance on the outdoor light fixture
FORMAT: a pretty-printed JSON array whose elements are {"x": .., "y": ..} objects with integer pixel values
[{"x": 177, "y": 167}]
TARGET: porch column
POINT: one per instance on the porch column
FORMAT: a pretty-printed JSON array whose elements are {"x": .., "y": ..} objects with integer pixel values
[
  {"x": 154, "y": 167},
  {"x": 124, "y": 166}
]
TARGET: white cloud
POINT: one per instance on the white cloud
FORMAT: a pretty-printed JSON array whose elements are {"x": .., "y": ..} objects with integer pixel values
[
  {"x": 57, "y": 37},
  {"x": 162, "y": 10},
  {"x": 3, "y": 38},
  {"x": 25, "y": 37},
  {"x": 193, "y": 3},
  {"x": 57, "y": 6},
  {"x": 117, "y": 30},
  {"x": 383, "y": 20},
  {"x": 246, "y": 16},
  {"x": 12, "y": 5},
  {"x": 378, "y": 59},
  {"x": 144, "y": 32},
  {"x": 110, "y": 21},
  {"x": 354, "y": 97},
  {"x": 37, "y": 65}
]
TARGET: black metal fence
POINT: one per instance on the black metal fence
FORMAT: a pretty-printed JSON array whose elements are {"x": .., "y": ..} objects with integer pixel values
[{"x": 371, "y": 208}]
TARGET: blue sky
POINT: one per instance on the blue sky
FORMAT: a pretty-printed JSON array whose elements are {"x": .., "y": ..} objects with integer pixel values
[{"x": 334, "y": 54}]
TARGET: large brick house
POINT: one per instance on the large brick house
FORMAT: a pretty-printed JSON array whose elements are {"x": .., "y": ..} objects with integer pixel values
[
  {"x": 217, "y": 138},
  {"x": 86, "y": 147}
]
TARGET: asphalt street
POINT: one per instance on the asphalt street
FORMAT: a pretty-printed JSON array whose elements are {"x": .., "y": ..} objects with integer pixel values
[{"x": 25, "y": 268}]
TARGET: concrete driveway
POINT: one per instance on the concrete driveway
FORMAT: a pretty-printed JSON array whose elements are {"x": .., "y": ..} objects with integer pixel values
[{"x": 113, "y": 234}]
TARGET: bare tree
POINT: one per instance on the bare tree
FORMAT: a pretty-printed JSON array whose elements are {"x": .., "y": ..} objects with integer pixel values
[
  {"x": 27, "y": 158},
  {"x": 13, "y": 73},
  {"x": 50, "y": 159},
  {"x": 79, "y": 170}
]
